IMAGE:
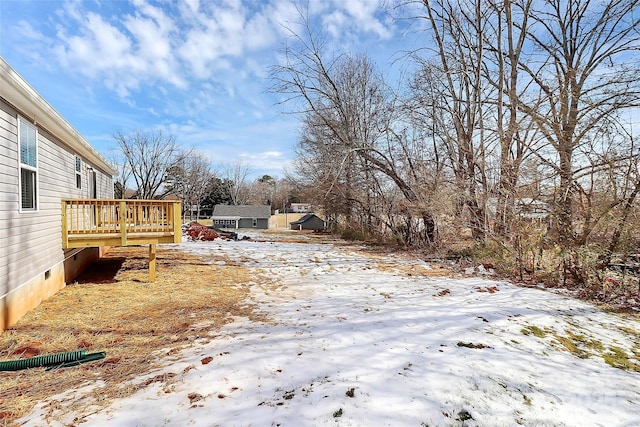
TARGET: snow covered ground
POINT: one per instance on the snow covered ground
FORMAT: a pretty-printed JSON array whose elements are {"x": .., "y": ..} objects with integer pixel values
[{"x": 357, "y": 340}]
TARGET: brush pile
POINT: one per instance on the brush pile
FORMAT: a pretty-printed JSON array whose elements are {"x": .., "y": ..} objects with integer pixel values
[{"x": 197, "y": 231}]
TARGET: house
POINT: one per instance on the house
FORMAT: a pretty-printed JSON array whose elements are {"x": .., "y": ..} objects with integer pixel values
[
  {"x": 241, "y": 216},
  {"x": 309, "y": 222},
  {"x": 42, "y": 160},
  {"x": 532, "y": 209},
  {"x": 301, "y": 207},
  {"x": 57, "y": 212}
]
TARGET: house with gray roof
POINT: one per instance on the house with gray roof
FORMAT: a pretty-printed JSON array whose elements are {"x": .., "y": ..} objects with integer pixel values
[
  {"x": 241, "y": 216},
  {"x": 309, "y": 222}
]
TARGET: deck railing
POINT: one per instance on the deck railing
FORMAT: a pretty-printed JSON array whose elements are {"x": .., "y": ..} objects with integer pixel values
[{"x": 110, "y": 222}]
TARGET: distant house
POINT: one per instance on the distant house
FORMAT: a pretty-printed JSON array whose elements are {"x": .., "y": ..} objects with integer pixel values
[
  {"x": 532, "y": 209},
  {"x": 130, "y": 194},
  {"x": 301, "y": 207},
  {"x": 202, "y": 211},
  {"x": 528, "y": 208},
  {"x": 241, "y": 216},
  {"x": 309, "y": 222},
  {"x": 44, "y": 159}
]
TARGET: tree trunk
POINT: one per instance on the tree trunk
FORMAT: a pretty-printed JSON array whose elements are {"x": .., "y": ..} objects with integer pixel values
[{"x": 564, "y": 203}]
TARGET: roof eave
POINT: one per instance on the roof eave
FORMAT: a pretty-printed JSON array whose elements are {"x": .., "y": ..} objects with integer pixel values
[{"x": 29, "y": 102}]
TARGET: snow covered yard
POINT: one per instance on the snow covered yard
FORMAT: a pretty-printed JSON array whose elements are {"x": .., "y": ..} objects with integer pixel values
[{"x": 355, "y": 339}]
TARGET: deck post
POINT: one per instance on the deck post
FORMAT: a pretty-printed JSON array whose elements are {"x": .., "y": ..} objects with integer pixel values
[
  {"x": 65, "y": 229},
  {"x": 123, "y": 222},
  {"x": 152, "y": 262},
  {"x": 177, "y": 222}
]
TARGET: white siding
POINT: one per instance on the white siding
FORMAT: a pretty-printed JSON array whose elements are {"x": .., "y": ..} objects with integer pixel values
[
  {"x": 8, "y": 160},
  {"x": 31, "y": 242}
]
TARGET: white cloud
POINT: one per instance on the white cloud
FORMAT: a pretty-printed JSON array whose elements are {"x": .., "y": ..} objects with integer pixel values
[
  {"x": 215, "y": 35},
  {"x": 203, "y": 60},
  {"x": 193, "y": 5},
  {"x": 124, "y": 53},
  {"x": 225, "y": 35},
  {"x": 260, "y": 32},
  {"x": 334, "y": 23},
  {"x": 153, "y": 32},
  {"x": 32, "y": 43},
  {"x": 143, "y": 44},
  {"x": 26, "y": 30},
  {"x": 98, "y": 51},
  {"x": 351, "y": 19},
  {"x": 273, "y": 161},
  {"x": 363, "y": 12}
]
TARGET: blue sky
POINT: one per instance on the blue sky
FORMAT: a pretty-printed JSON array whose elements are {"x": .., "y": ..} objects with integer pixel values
[{"x": 197, "y": 69}]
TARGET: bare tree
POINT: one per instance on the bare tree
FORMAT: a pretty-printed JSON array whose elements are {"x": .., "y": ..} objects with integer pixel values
[
  {"x": 282, "y": 193},
  {"x": 149, "y": 155},
  {"x": 560, "y": 70},
  {"x": 262, "y": 191},
  {"x": 587, "y": 75},
  {"x": 190, "y": 178},
  {"x": 236, "y": 176},
  {"x": 505, "y": 46},
  {"x": 458, "y": 30},
  {"x": 348, "y": 112},
  {"x": 325, "y": 171},
  {"x": 122, "y": 180}
]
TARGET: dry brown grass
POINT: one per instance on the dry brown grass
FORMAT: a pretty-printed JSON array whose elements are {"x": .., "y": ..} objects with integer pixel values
[
  {"x": 113, "y": 308},
  {"x": 387, "y": 260},
  {"x": 414, "y": 270}
]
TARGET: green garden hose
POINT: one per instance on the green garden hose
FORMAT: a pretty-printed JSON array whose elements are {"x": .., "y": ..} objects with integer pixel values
[
  {"x": 88, "y": 358},
  {"x": 70, "y": 358}
]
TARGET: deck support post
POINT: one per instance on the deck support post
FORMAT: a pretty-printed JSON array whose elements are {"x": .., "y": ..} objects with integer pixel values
[
  {"x": 123, "y": 222},
  {"x": 65, "y": 226},
  {"x": 152, "y": 262},
  {"x": 177, "y": 222}
]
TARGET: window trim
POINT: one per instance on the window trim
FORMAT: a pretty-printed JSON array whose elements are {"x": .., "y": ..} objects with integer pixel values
[
  {"x": 35, "y": 170},
  {"x": 92, "y": 183},
  {"x": 78, "y": 168}
]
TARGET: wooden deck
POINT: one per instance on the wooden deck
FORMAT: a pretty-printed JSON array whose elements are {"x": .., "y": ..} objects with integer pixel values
[{"x": 110, "y": 222}]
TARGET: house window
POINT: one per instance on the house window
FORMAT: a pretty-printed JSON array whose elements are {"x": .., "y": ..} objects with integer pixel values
[
  {"x": 78, "y": 175},
  {"x": 27, "y": 137}
]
